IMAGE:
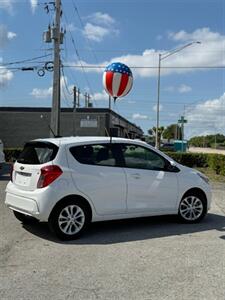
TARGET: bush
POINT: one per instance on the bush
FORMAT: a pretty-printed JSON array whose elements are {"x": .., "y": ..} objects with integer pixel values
[
  {"x": 11, "y": 154},
  {"x": 215, "y": 162},
  {"x": 192, "y": 160}
]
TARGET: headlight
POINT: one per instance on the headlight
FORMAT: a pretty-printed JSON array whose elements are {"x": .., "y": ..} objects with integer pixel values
[{"x": 203, "y": 177}]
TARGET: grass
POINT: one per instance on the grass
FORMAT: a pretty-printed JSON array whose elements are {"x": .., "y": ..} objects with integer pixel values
[{"x": 212, "y": 175}]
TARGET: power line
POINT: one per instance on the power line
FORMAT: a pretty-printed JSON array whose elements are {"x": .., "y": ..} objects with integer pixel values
[
  {"x": 83, "y": 27},
  {"x": 25, "y": 60},
  {"x": 65, "y": 83},
  {"x": 146, "y": 67},
  {"x": 78, "y": 56}
]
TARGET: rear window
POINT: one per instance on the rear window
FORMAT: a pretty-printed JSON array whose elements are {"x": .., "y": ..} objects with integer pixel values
[{"x": 37, "y": 153}]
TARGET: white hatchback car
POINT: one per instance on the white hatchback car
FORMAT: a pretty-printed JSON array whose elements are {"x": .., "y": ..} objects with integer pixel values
[{"x": 70, "y": 182}]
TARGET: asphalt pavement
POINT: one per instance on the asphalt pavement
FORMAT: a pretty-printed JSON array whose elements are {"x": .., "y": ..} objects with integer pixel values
[{"x": 150, "y": 258}]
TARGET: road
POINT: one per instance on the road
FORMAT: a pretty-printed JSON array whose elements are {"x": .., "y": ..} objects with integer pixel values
[
  {"x": 206, "y": 150},
  {"x": 152, "y": 258}
]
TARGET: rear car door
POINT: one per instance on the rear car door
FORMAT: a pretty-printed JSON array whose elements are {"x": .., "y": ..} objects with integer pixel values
[
  {"x": 150, "y": 187},
  {"x": 97, "y": 175}
]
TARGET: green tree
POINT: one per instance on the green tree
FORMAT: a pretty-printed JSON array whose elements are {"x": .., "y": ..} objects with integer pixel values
[
  {"x": 172, "y": 131},
  {"x": 152, "y": 132},
  {"x": 207, "y": 141}
]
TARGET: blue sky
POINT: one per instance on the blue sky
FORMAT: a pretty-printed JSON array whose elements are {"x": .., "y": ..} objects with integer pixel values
[{"x": 133, "y": 32}]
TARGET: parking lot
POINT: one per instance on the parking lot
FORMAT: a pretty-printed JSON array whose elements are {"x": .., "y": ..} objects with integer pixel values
[{"x": 151, "y": 258}]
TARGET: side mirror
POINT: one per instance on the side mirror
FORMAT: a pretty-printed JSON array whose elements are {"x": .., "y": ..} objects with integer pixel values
[{"x": 171, "y": 167}]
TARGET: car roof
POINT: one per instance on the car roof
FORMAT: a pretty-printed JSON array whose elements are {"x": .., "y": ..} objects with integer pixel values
[{"x": 86, "y": 139}]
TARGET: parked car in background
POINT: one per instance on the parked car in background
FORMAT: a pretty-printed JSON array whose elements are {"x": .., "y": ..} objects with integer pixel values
[
  {"x": 70, "y": 182},
  {"x": 2, "y": 155},
  {"x": 167, "y": 147}
]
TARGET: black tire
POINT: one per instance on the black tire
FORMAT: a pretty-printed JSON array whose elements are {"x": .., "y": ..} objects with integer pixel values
[
  {"x": 195, "y": 212},
  {"x": 79, "y": 213},
  {"x": 25, "y": 219}
]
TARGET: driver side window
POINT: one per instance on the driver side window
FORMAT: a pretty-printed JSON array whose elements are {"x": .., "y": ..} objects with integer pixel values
[{"x": 138, "y": 157}]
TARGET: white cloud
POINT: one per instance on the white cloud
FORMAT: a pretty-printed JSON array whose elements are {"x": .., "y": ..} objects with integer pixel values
[
  {"x": 95, "y": 33},
  {"x": 155, "y": 107},
  {"x": 101, "y": 18},
  {"x": 11, "y": 35},
  {"x": 46, "y": 93},
  {"x": 99, "y": 26},
  {"x": 41, "y": 93},
  {"x": 70, "y": 27},
  {"x": 201, "y": 35},
  {"x": 169, "y": 88},
  {"x": 138, "y": 116},
  {"x": 5, "y": 77},
  {"x": 183, "y": 88},
  {"x": 5, "y": 35},
  {"x": 209, "y": 53},
  {"x": 100, "y": 96},
  {"x": 33, "y": 4},
  {"x": 7, "y": 5},
  {"x": 207, "y": 117}
]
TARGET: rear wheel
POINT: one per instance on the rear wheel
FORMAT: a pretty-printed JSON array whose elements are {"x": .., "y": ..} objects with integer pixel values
[
  {"x": 25, "y": 219},
  {"x": 69, "y": 219},
  {"x": 192, "y": 207}
]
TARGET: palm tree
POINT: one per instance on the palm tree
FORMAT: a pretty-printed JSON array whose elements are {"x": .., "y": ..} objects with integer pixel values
[{"x": 152, "y": 131}]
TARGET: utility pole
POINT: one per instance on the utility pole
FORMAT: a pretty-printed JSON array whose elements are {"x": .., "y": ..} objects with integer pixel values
[
  {"x": 74, "y": 107},
  {"x": 157, "y": 106},
  {"x": 56, "y": 36},
  {"x": 85, "y": 100},
  {"x": 182, "y": 121},
  {"x": 88, "y": 100},
  {"x": 78, "y": 97}
]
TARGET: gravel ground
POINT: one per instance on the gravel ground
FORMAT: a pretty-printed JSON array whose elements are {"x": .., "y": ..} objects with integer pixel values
[{"x": 151, "y": 258}]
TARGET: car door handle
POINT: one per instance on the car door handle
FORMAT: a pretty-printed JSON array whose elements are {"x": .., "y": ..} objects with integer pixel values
[{"x": 136, "y": 175}]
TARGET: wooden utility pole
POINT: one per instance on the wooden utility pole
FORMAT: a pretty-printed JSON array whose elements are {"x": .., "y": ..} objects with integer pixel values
[{"x": 55, "y": 113}]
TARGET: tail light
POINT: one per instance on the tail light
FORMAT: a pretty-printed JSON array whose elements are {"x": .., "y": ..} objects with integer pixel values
[{"x": 48, "y": 175}]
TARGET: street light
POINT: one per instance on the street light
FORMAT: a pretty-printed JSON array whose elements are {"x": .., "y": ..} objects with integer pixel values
[{"x": 162, "y": 57}]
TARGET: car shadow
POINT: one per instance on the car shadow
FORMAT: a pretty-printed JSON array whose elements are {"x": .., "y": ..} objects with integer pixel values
[
  {"x": 5, "y": 172},
  {"x": 113, "y": 232}
]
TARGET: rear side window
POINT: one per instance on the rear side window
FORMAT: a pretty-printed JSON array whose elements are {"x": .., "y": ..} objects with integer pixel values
[
  {"x": 101, "y": 155},
  {"x": 37, "y": 153}
]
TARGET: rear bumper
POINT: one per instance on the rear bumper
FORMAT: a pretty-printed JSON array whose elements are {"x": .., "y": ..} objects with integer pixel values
[
  {"x": 30, "y": 203},
  {"x": 24, "y": 205}
]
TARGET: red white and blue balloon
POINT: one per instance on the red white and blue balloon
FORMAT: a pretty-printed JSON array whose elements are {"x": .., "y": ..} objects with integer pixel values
[{"x": 117, "y": 80}]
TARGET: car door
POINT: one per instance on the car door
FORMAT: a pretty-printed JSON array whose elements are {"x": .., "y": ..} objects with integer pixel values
[
  {"x": 96, "y": 174},
  {"x": 150, "y": 186}
]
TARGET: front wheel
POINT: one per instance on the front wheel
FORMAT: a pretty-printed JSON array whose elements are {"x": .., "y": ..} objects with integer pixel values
[
  {"x": 192, "y": 208},
  {"x": 69, "y": 220}
]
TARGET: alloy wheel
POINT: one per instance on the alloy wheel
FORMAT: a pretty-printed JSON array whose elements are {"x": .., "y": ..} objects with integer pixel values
[
  {"x": 71, "y": 219},
  {"x": 191, "y": 208}
]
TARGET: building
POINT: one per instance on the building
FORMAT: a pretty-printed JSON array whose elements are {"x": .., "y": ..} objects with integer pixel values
[{"x": 21, "y": 124}]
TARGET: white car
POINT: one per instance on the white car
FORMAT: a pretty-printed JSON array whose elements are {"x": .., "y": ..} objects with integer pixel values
[
  {"x": 70, "y": 182},
  {"x": 2, "y": 155}
]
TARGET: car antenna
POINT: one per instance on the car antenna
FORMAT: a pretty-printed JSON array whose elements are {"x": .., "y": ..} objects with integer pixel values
[{"x": 49, "y": 127}]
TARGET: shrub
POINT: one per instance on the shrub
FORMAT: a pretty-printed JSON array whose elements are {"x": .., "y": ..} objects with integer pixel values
[
  {"x": 215, "y": 162},
  {"x": 191, "y": 160}
]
